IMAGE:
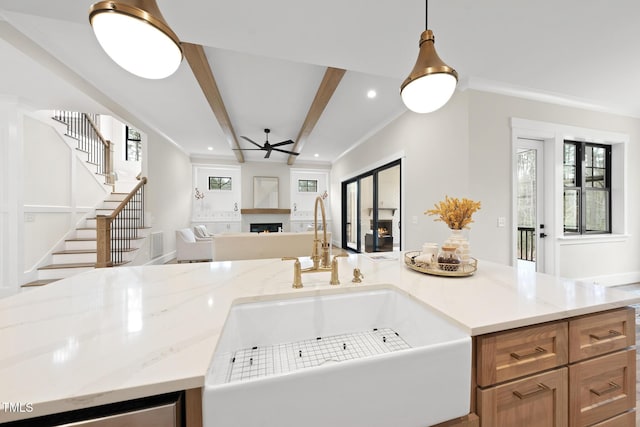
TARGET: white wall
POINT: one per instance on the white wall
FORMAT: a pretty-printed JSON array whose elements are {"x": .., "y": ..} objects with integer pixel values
[
  {"x": 490, "y": 147},
  {"x": 168, "y": 192},
  {"x": 126, "y": 170},
  {"x": 464, "y": 150},
  {"x": 435, "y": 156},
  {"x": 57, "y": 191},
  {"x": 219, "y": 210},
  {"x": 303, "y": 203},
  {"x": 10, "y": 196}
]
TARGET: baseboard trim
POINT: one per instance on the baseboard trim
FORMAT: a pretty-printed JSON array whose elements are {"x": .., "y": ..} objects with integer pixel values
[
  {"x": 613, "y": 279},
  {"x": 162, "y": 259}
]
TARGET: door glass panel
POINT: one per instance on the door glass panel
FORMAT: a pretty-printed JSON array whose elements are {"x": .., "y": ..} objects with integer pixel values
[
  {"x": 352, "y": 216},
  {"x": 388, "y": 209},
  {"x": 366, "y": 213},
  {"x": 527, "y": 208}
]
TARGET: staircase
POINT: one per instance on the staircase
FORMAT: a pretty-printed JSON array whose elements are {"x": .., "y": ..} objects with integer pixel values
[
  {"x": 80, "y": 251},
  {"x": 122, "y": 233}
]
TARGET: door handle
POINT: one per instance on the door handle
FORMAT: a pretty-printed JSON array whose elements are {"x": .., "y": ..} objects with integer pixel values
[{"x": 543, "y": 235}]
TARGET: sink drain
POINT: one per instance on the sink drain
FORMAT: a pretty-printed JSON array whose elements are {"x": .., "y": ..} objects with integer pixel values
[{"x": 257, "y": 362}]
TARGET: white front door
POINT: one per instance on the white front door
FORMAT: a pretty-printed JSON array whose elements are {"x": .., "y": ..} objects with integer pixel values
[{"x": 529, "y": 222}]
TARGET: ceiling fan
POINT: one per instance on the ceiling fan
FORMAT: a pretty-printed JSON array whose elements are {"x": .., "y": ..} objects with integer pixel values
[{"x": 268, "y": 147}]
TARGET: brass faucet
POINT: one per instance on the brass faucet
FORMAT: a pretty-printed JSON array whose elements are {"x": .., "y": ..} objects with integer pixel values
[{"x": 320, "y": 260}]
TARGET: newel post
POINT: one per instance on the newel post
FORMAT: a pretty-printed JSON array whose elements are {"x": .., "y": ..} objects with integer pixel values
[{"x": 103, "y": 241}]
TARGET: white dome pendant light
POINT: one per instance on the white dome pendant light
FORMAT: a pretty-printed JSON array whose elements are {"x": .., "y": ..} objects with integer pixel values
[
  {"x": 431, "y": 82},
  {"x": 136, "y": 36}
]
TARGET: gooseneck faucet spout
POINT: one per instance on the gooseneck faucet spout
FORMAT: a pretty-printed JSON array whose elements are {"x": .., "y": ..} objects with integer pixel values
[{"x": 321, "y": 261}]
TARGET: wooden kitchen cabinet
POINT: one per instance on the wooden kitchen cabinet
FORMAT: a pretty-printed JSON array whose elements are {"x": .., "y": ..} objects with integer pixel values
[
  {"x": 601, "y": 333},
  {"x": 576, "y": 372},
  {"x": 536, "y": 401},
  {"x": 507, "y": 355}
]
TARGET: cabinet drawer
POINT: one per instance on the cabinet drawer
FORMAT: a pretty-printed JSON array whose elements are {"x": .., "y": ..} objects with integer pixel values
[
  {"x": 602, "y": 387},
  {"x": 536, "y": 401},
  {"x": 601, "y": 333},
  {"x": 507, "y": 355},
  {"x": 628, "y": 419}
]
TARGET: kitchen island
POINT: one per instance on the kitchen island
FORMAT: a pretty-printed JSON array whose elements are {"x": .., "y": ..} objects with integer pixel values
[{"x": 113, "y": 335}]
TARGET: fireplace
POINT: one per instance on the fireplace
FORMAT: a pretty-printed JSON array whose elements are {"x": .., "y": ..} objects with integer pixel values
[
  {"x": 385, "y": 236},
  {"x": 260, "y": 227}
]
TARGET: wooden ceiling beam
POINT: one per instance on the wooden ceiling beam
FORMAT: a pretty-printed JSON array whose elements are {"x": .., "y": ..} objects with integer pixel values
[
  {"x": 325, "y": 91},
  {"x": 202, "y": 71}
]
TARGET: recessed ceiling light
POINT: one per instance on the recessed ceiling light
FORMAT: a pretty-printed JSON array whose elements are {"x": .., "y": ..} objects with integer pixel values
[
  {"x": 210, "y": 148},
  {"x": 371, "y": 94},
  {"x": 316, "y": 155}
]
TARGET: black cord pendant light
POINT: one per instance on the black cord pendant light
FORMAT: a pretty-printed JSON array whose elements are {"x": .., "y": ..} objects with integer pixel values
[{"x": 431, "y": 83}]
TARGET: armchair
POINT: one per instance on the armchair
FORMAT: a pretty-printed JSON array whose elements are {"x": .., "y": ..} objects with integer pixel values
[{"x": 188, "y": 248}]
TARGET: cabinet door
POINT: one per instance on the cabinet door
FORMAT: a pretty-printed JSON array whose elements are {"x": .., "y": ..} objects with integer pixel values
[
  {"x": 628, "y": 419},
  {"x": 504, "y": 356},
  {"x": 601, "y": 333},
  {"x": 536, "y": 401},
  {"x": 602, "y": 387},
  {"x": 159, "y": 416}
]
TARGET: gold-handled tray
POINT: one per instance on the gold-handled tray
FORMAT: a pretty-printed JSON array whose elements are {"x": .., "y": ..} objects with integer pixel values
[{"x": 440, "y": 269}]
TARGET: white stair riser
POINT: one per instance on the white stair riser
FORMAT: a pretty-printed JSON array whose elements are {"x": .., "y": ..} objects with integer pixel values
[
  {"x": 108, "y": 204},
  {"x": 60, "y": 273},
  {"x": 115, "y": 197},
  {"x": 131, "y": 215},
  {"x": 86, "y": 234},
  {"x": 132, "y": 222},
  {"x": 73, "y": 258},
  {"x": 133, "y": 244},
  {"x": 80, "y": 245}
]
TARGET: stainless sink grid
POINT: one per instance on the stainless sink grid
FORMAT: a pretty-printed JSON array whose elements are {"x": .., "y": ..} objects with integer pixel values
[{"x": 260, "y": 362}]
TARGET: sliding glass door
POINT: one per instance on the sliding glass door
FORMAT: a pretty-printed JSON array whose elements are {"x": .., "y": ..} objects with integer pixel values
[{"x": 371, "y": 210}]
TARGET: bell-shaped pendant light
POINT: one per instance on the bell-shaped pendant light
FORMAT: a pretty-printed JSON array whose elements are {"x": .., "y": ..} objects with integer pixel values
[
  {"x": 431, "y": 83},
  {"x": 136, "y": 36}
]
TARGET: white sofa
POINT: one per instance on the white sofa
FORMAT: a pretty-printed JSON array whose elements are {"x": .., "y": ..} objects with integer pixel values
[
  {"x": 189, "y": 248},
  {"x": 237, "y": 246}
]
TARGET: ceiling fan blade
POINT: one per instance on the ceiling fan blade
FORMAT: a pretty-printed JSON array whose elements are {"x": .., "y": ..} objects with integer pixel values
[
  {"x": 282, "y": 143},
  {"x": 248, "y": 149},
  {"x": 293, "y": 153},
  {"x": 253, "y": 142},
  {"x": 266, "y": 156}
]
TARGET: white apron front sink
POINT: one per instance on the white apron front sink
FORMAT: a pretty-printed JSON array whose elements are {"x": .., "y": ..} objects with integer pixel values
[{"x": 348, "y": 358}]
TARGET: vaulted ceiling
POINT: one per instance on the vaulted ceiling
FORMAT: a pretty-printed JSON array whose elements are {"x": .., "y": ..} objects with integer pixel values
[{"x": 269, "y": 59}]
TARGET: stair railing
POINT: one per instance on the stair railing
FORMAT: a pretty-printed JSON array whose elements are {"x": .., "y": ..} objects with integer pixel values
[
  {"x": 84, "y": 128},
  {"x": 116, "y": 232}
]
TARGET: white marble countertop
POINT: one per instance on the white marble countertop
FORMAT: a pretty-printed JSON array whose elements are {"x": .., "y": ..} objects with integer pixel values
[{"x": 117, "y": 334}]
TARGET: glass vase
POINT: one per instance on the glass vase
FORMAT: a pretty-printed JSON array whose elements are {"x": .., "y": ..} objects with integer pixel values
[{"x": 457, "y": 240}]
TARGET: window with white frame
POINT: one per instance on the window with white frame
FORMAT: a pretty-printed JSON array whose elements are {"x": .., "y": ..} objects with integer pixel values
[
  {"x": 308, "y": 185},
  {"x": 587, "y": 188},
  {"x": 220, "y": 183}
]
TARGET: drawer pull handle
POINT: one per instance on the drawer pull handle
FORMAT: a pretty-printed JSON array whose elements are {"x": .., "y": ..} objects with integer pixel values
[
  {"x": 541, "y": 389},
  {"x": 608, "y": 335},
  {"x": 612, "y": 387},
  {"x": 537, "y": 351}
]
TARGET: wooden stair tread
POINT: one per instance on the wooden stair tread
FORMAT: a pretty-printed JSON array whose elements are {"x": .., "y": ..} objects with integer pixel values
[
  {"x": 41, "y": 282},
  {"x": 75, "y": 251},
  {"x": 74, "y": 265},
  {"x": 81, "y": 239}
]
